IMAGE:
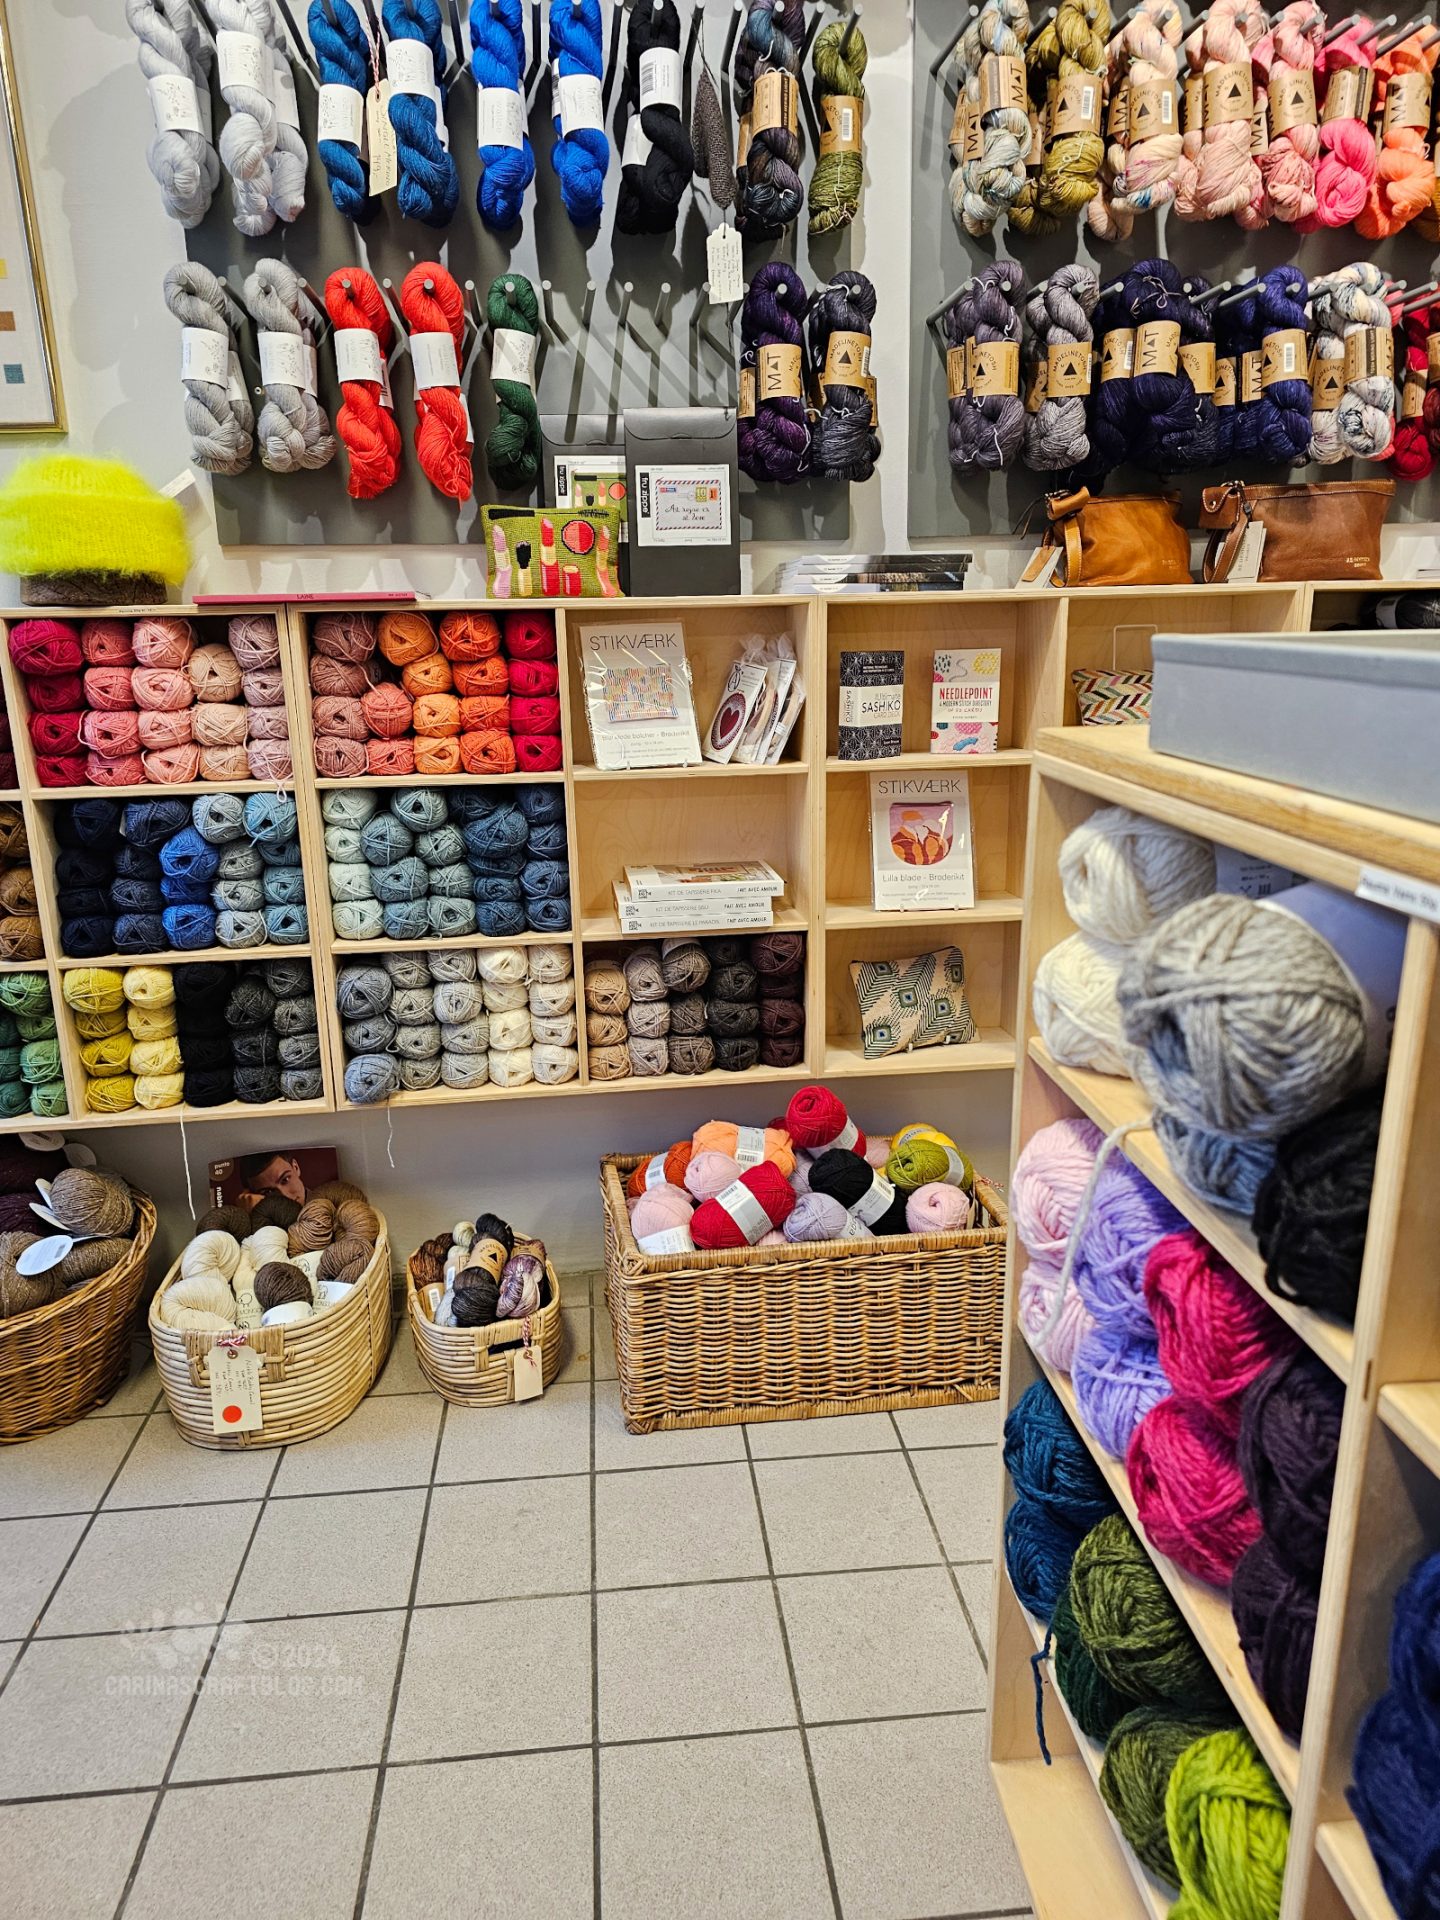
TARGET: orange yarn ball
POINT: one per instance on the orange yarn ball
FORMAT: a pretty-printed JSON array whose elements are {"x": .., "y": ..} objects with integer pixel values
[
  {"x": 474, "y": 677},
  {"x": 487, "y": 752},
  {"x": 430, "y": 675},
  {"x": 387, "y": 710},
  {"x": 469, "y": 636},
  {"x": 437, "y": 714},
  {"x": 405, "y": 637},
  {"x": 390, "y": 756},
  {"x": 434, "y": 755},
  {"x": 487, "y": 713},
  {"x": 672, "y": 1163}
]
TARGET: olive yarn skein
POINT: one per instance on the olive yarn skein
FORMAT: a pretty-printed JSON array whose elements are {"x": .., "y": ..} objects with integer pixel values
[
  {"x": 844, "y": 443},
  {"x": 653, "y": 184},
  {"x": 771, "y": 195},
  {"x": 1140, "y": 1756},
  {"x": 512, "y": 447},
  {"x": 172, "y": 47},
  {"x": 990, "y": 185},
  {"x": 497, "y": 61},
  {"x": 1070, "y": 46},
  {"x": 840, "y": 57},
  {"x": 776, "y": 443},
  {"x": 580, "y": 158},
  {"x": 219, "y": 418}
]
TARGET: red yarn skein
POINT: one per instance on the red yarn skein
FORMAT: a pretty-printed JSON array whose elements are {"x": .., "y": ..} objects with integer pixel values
[
  {"x": 55, "y": 733},
  {"x": 367, "y": 427},
  {"x": 1412, "y": 453},
  {"x": 1215, "y": 1332},
  {"x": 45, "y": 647},
  {"x": 106, "y": 643},
  {"x": 60, "y": 770},
  {"x": 55, "y": 693},
  {"x": 1188, "y": 1492},
  {"x": 759, "y": 1200},
  {"x": 532, "y": 677},
  {"x": 535, "y": 714},
  {"x": 530, "y": 636},
  {"x": 432, "y": 303},
  {"x": 816, "y": 1119}
]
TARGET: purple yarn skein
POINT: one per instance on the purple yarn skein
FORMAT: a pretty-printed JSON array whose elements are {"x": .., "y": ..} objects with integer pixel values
[
  {"x": 1127, "y": 1216},
  {"x": 1174, "y": 426},
  {"x": 988, "y": 430},
  {"x": 1282, "y": 435},
  {"x": 1118, "y": 1378},
  {"x": 775, "y": 445}
]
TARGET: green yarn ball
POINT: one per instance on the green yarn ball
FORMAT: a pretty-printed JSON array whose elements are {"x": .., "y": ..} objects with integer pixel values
[
  {"x": 25, "y": 993},
  {"x": 40, "y": 1062},
  {"x": 1095, "y": 1704},
  {"x": 1139, "y": 1760},
  {"x": 50, "y": 1101},
  {"x": 14, "y": 1100},
  {"x": 1229, "y": 1829},
  {"x": 1129, "y": 1625},
  {"x": 36, "y": 1026}
]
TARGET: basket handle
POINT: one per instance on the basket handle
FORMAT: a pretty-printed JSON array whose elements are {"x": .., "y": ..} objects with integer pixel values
[{"x": 268, "y": 1342}]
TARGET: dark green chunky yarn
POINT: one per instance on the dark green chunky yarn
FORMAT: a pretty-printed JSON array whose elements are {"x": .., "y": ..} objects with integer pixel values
[
  {"x": 1139, "y": 1760},
  {"x": 1095, "y": 1704}
]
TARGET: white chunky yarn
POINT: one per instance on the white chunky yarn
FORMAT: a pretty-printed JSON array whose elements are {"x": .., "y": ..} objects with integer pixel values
[
  {"x": 221, "y": 423},
  {"x": 294, "y": 429},
  {"x": 183, "y": 163},
  {"x": 1121, "y": 873},
  {"x": 1075, "y": 1004},
  {"x": 247, "y": 140}
]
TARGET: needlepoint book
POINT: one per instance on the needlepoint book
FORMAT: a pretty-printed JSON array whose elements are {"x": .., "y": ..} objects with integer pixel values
[{"x": 965, "y": 700}]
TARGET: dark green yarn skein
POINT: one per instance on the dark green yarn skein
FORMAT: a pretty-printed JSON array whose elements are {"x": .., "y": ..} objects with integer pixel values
[
  {"x": 512, "y": 449},
  {"x": 1130, "y": 1626},
  {"x": 1097, "y": 1706},
  {"x": 1139, "y": 1760}
]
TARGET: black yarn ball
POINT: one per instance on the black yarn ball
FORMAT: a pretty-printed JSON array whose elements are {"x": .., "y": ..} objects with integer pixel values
[
  {"x": 136, "y": 863},
  {"x": 255, "y": 1047},
  {"x": 274, "y": 1210},
  {"x": 209, "y": 1087},
  {"x": 1313, "y": 1207},
  {"x": 81, "y": 867},
  {"x": 251, "y": 1004},
  {"x": 727, "y": 1019},
  {"x": 84, "y": 939},
  {"x": 203, "y": 1052},
  {"x": 724, "y": 950},
  {"x": 206, "y": 980},
  {"x": 737, "y": 1055},
  {"x": 846, "y": 1177},
  {"x": 257, "y": 1086},
  {"x": 140, "y": 933},
  {"x": 1274, "y": 1611}
]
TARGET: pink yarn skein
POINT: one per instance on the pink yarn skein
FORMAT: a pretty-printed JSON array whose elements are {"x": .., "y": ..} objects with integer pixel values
[
  {"x": 1287, "y": 166},
  {"x": 1140, "y": 178},
  {"x": 1216, "y": 1334},
  {"x": 1045, "y": 1193},
  {"x": 1188, "y": 1492},
  {"x": 1216, "y": 173},
  {"x": 1348, "y": 161}
]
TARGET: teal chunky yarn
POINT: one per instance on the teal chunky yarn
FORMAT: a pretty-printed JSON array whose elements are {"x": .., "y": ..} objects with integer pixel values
[
  {"x": 271, "y": 818},
  {"x": 283, "y": 886}
]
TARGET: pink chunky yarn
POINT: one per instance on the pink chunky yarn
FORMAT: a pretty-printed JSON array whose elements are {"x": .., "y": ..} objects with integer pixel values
[
  {"x": 1287, "y": 166},
  {"x": 1188, "y": 1492},
  {"x": 1216, "y": 174},
  {"x": 1047, "y": 1184},
  {"x": 1216, "y": 1334},
  {"x": 1348, "y": 161},
  {"x": 1037, "y": 1300}
]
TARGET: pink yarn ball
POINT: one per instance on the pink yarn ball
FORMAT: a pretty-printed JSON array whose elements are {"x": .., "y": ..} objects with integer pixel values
[
  {"x": 126, "y": 771},
  {"x": 107, "y": 643},
  {"x": 109, "y": 689},
  {"x": 338, "y": 676},
  {"x": 219, "y": 724},
  {"x": 772, "y": 1238},
  {"x": 161, "y": 641},
  {"x": 338, "y": 759},
  {"x": 938, "y": 1208},
  {"x": 1038, "y": 1287},
  {"x": 385, "y": 711},
  {"x": 877, "y": 1150},
  {"x": 254, "y": 640},
  {"x": 116, "y": 735},
  {"x": 659, "y": 1209},
  {"x": 339, "y": 718},
  {"x": 214, "y": 672},
  {"x": 710, "y": 1173},
  {"x": 344, "y": 636},
  {"x": 269, "y": 760},
  {"x": 224, "y": 763},
  {"x": 160, "y": 729},
  {"x": 1188, "y": 1492},
  {"x": 172, "y": 766},
  {"x": 1047, "y": 1185},
  {"x": 1216, "y": 1334},
  {"x": 263, "y": 687},
  {"x": 162, "y": 689},
  {"x": 268, "y": 723}
]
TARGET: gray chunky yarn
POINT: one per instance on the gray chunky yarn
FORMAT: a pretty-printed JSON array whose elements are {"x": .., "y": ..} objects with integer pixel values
[
  {"x": 184, "y": 164},
  {"x": 221, "y": 423},
  {"x": 1056, "y": 435},
  {"x": 294, "y": 428}
]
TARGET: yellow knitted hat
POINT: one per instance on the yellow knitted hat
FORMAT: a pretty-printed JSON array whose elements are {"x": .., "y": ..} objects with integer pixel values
[{"x": 65, "y": 513}]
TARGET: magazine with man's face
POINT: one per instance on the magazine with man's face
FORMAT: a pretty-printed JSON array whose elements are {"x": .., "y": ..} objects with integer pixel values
[{"x": 291, "y": 1171}]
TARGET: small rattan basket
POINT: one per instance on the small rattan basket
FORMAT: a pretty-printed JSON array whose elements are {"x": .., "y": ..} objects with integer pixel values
[
  {"x": 313, "y": 1373},
  {"x": 793, "y": 1333},
  {"x": 475, "y": 1366},
  {"x": 60, "y": 1361}
]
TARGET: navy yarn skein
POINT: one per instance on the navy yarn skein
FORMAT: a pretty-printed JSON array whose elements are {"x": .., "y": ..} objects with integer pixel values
[
  {"x": 1050, "y": 1464},
  {"x": 651, "y": 188},
  {"x": 1109, "y": 401},
  {"x": 1283, "y": 425},
  {"x": 1038, "y": 1552},
  {"x": 771, "y": 195},
  {"x": 1173, "y": 426},
  {"x": 579, "y": 158},
  {"x": 844, "y": 443},
  {"x": 342, "y": 52},
  {"x": 775, "y": 445},
  {"x": 1397, "y": 1754},
  {"x": 429, "y": 188},
  {"x": 497, "y": 60}
]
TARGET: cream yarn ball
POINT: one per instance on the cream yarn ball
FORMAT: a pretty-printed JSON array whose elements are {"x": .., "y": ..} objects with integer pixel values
[
  {"x": 1075, "y": 1004},
  {"x": 1121, "y": 873},
  {"x": 202, "y": 1302},
  {"x": 213, "y": 1255}
]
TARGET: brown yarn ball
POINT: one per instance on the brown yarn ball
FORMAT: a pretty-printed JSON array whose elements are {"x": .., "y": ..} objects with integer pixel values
[
  {"x": 278, "y": 1283},
  {"x": 273, "y": 1210},
  {"x": 605, "y": 988},
  {"x": 609, "y": 1063},
  {"x": 648, "y": 1019},
  {"x": 13, "y": 842},
  {"x": 427, "y": 1263},
  {"x": 346, "y": 678},
  {"x": 685, "y": 965},
  {"x": 691, "y": 1053},
  {"x": 687, "y": 1013},
  {"x": 20, "y": 937},
  {"x": 347, "y": 1257},
  {"x": 313, "y": 1227},
  {"x": 17, "y": 890},
  {"x": 344, "y": 636},
  {"x": 89, "y": 1201},
  {"x": 782, "y": 1018},
  {"x": 19, "y": 1292},
  {"x": 642, "y": 973},
  {"x": 606, "y": 1029},
  {"x": 88, "y": 1259},
  {"x": 357, "y": 1220},
  {"x": 336, "y": 1190},
  {"x": 777, "y": 952},
  {"x": 782, "y": 986},
  {"x": 728, "y": 1019},
  {"x": 236, "y": 1221}
]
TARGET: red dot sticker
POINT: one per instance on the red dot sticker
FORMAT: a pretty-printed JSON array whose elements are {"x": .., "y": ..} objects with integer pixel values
[{"x": 232, "y": 1413}]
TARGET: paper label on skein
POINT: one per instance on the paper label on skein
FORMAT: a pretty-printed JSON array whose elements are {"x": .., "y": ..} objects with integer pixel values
[
  {"x": 410, "y": 67},
  {"x": 1407, "y": 102},
  {"x": 247, "y": 1307},
  {"x": 1369, "y": 943},
  {"x": 878, "y": 1198},
  {"x": 957, "y": 372},
  {"x": 1412, "y": 394},
  {"x": 776, "y": 103},
  {"x": 749, "y": 1147},
  {"x": 1068, "y": 369},
  {"x": 660, "y": 78},
  {"x": 1292, "y": 100},
  {"x": 1077, "y": 105},
  {"x": 357, "y": 355},
  {"x": 174, "y": 103},
  {"x": 1157, "y": 346},
  {"x": 234, "y": 1389},
  {"x": 1282, "y": 356},
  {"x": 1037, "y": 383},
  {"x": 1117, "y": 114},
  {"x": 745, "y": 1210},
  {"x": 1193, "y": 116},
  {"x": 282, "y": 91},
  {"x": 671, "y": 1240},
  {"x": 235, "y": 387},
  {"x": 512, "y": 356},
  {"x": 1002, "y": 84},
  {"x": 843, "y": 114},
  {"x": 242, "y": 62},
  {"x": 995, "y": 367},
  {"x": 1198, "y": 360},
  {"x": 282, "y": 359},
  {"x": 1252, "y": 876},
  {"x": 743, "y": 135},
  {"x": 1259, "y": 123},
  {"x": 1347, "y": 94},
  {"x": 1035, "y": 158},
  {"x": 847, "y": 359},
  {"x": 1117, "y": 354},
  {"x": 578, "y": 98},
  {"x": 341, "y": 114},
  {"x": 746, "y": 408},
  {"x": 964, "y": 113},
  {"x": 1152, "y": 110},
  {"x": 778, "y": 375},
  {"x": 433, "y": 358},
  {"x": 1250, "y": 364},
  {"x": 725, "y": 265},
  {"x": 1229, "y": 93},
  {"x": 380, "y": 144},
  {"x": 204, "y": 355},
  {"x": 1327, "y": 383},
  {"x": 500, "y": 118},
  {"x": 1369, "y": 354},
  {"x": 1225, "y": 383},
  {"x": 311, "y": 382},
  {"x": 854, "y": 1229},
  {"x": 846, "y": 1137},
  {"x": 655, "y": 1172},
  {"x": 638, "y": 144}
]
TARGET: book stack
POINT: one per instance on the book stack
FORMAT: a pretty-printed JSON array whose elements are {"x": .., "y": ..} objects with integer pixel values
[
  {"x": 712, "y": 897},
  {"x": 928, "y": 572}
]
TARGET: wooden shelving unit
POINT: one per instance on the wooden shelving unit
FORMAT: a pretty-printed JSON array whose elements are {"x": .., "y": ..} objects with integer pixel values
[{"x": 1386, "y": 1510}]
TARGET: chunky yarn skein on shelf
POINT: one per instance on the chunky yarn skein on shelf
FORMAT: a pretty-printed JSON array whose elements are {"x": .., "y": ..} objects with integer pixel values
[
  {"x": 771, "y": 193},
  {"x": 174, "y": 48},
  {"x": 660, "y": 162},
  {"x": 497, "y": 64}
]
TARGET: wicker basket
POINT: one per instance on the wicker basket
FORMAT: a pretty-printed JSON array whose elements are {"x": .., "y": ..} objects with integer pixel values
[
  {"x": 791, "y": 1333},
  {"x": 60, "y": 1361},
  {"x": 313, "y": 1373},
  {"x": 475, "y": 1366}
]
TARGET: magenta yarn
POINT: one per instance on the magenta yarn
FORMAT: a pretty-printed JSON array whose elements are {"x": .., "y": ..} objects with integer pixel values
[
  {"x": 1127, "y": 1216},
  {"x": 1118, "y": 1379},
  {"x": 1189, "y": 1496},
  {"x": 1216, "y": 1334}
]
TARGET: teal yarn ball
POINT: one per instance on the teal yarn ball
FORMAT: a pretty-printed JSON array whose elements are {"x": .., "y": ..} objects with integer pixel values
[
  {"x": 36, "y": 1026},
  {"x": 219, "y": 817},
  {"x": 271, "y": 818},
  {"x": 9, "y": 1063},
  {"x": 357, "y": 919},
  {"x": 283, "y": 887},
  {"x": 287, "y": 925},
  {"x": 14, "y": 1100},
  {"x": 50, "y": 1101},
  {"x": 283, "y": 853},
  {"x": 40, "y": 1062}
]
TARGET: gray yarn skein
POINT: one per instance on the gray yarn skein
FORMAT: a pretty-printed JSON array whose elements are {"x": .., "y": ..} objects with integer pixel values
[
  {"x": 289, "y": 161},
  {"x": 710, "y": 138},
  {"x": 247, "y": 140},
  {"x": 184, "y": 164},
  {"x": 221, "y": 425},
  {"x": 986, "y": 430},
  {"x": 1366, "y": 414},
  {"x": 992, "y": 184},
  {"x": 1245, "y": 1020},
  {"x": 294, "y": 429},
  {"x": 1058, "y": 313}
]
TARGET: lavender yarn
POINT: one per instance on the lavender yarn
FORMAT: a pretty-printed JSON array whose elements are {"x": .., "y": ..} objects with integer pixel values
[
  {"x": 986, "y": 430},
  {"x": 845, "y": 444},
  {"x": 771, "y": 194},
  {"x": 1117, "y": 1378},
  {"x": 1127, "y": 1216},
  {"x": 1057, "y": 436},
  {"x": 775, "y": 445}
]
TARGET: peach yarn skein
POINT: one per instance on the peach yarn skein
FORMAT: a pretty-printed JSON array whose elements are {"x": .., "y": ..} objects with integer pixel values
[
  {"x": 1287, "y": 166},
  {"x": 1404, "y": 174},
  {"x": 1140, "y": 178},
  {"x": 1217, "y": 175}
]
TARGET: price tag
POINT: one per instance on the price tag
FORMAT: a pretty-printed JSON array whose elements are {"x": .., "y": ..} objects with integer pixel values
[
  {"x": 957, "y": 372},
  {"x": 342, "y": 115},
  {"x": 843, "y": 115},
  {"x": 1228, "y": 93},
  {"x": 1412, "y": 394},
  {"x": 965, "y": 113},
  {"x": 243, "y": 63},
  {"x": 174, "y": 103},
  {"x": 357, "y": 355},
  {"x": 1282, "y": 356},
  {"x": 512, "y": 356},
  {"x": 724, "y": 263},
  {"x": 500, "y": 118},
  {"x": 995, "y": 367},
  {"x": 529, "y": 1380},
  {"x": 282, "y": 360},
  {"x": 282, "y": 91},
  {"x": 1157, "y": 347},
  {"x": 847, "y": 360},
  {"x": 1077, "y": 105},
  {"x": 204, "y": 356},
  {"x": 660, "y": 78},
  {"x": 434, "y": 360},
  {"x": 1037, "y": 383},
  {"x": 1225, "y": 383},
  {"x": 1369, "y": 354},
  {"x": 577, "y": 98},
  {"x": 1399, "y": 892},
  {"x": 746, "y": 409},
  {"x": 384, "y": 158},
  {"x": 1347, "y": 94},
  {"x": 778, "y": 371},
  {"x": 235, "y": 387},
  {"x": 234, "y": 1388},
  {"x": 878, "y": 1199},
  {"x": 638, "y": 146},
  {"x": 1068, "y": 370},
  {"x": 1198, "y": 360}
]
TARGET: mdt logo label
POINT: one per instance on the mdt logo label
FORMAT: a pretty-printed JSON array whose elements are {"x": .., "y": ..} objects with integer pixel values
[{"x": 644, "y": 496}]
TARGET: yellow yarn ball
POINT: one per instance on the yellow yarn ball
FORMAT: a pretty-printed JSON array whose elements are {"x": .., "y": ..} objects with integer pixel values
[
  {"x": 96, "y": 1026},
  {"x": 150, "y": 987},
  {"x": 156, "y": 1056},
  {"x": 94, "y": 989},
  {"x": 151, "y": 1023},
  {"x": 115, "y": 1095},
  {"x": 104, "y": 1057},
  {"x": 153, "y": 1090}
]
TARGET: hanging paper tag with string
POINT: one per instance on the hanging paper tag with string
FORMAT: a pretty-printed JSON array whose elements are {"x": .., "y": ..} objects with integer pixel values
[
  {"x": 384, "y": 155},
  {"x": 529, "y": 1379},
  {"x": 234, "y": 1370},
  {"x": 725, "y": 267},
  {"x": 357, "y": 355}
]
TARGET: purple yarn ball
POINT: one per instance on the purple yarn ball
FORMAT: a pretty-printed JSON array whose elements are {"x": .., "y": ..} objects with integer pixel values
[
  {"x": 1117, "y": 1378},
  {"x": 1127, "y": 1216}
]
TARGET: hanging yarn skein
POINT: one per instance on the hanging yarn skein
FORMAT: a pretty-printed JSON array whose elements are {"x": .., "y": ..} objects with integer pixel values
[
  {"x": 1285, "y": 60},
  {"x": 290, "y": 162},
  {"x": 1139, "y": 173},
  {"x": 293, "y": 429},
  {"x": 364, "y": 338},
  {"x": 1173, "y": 425},
  {"x": 987, "y": 420},
  {"x": 1057, "y": 434},
  {"x": 217, "y": 403},
  {"x": 1217, "y": 175},
  {"x": 415, "y": 62},
  {"x": 175, "y": 58},
  {"x": 767, "y": 66},
  {"x": 434, "y": 311},
  {"x": 1068, "y": 52},
  {"x": 990, "y": 183},
  {"x": 1278, "y": 418},
  {"x": 1365, "y": 418},
  {"x": 247, "y": 140},
  {"x": 497, "y": 62},
  {"x": 1404, "y": 173},
  {"x": 1412, "y": 453},
  {"x": 774, "y": 439},
  {"x": 513, "y": 446},
  {"x": 844, "y": 444},
  {"x": 840, "y": 57},
  {"x": 658, "y": 160},
  {"x": 581, "y": 152},
  {"x": 710, "y": 138},
  {"x": 1348, "y": 161},
  {"x": 342, "y": 53}
]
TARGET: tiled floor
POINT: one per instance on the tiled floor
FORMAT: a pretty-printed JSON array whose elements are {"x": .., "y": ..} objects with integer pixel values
[{"x": 514, "y": 1663}]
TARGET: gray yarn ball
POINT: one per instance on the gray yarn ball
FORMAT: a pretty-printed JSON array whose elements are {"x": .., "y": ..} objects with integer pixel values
[
  {"x": 418, "y": 1043},
  {"x": 342, "y": 844},
  {"x": 362, "y": 990},
  {"x": 453, "y": 882},
  {"x": 302, "y": 1083},
  {"x": 420, "y": 808},
  {"x": 283, "y": 886},
  {"x": 451, "y": 919},
  {"x": 384, "y": 840},
  {"x": 648, "y": 1057},
  {"x": 295, "y": 1016},
  {"x": 553, "y": 1030},
  {"x": 371, "y": 1077},
  {"x": 300, "y": 1050},
  {"x": 348, "y": 806},
  {"x": 406, "y": 919},
  {"x": 286, "y": 978},
  {"x": 240, "y": 861},
  {"x": 375, "y": 1035},
  {"x": 406, "y": 880},
  {"x": 237, "y": 896},
  {"x": 350, "y": 881},
  {"x": 464, "y": 1071},
  {"x": 687, "y": 1014},
  {"x": 279, "y": 853},
  {"x": 458, "y": 1000},
  {"x": 648, "y": 1019},
  {"x": 407, "y": 969},
  {"x": 469, "y": 1036},
  {"x": 358, "y": 919},
  {"x": 447, "y": 963},
  {"x": 441, "y": 846},
  {"x": 240, "y": 929},
  {"x": 219, "y": 817},
  {"x": 412, "y": 1006},
  {"x": 418, "y": 1075}
]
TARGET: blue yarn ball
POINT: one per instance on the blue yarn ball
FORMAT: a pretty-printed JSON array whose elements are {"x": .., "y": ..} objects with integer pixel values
[
  {"x": 384, "y": 840},
  {"x": 429, "y": 188},
  {"x": 189, "y": 926},
  {"x": 282, "y": 886},
  {"x": 271, "y": 818},
  {"x": 149, "y": 823},
  {"x": 1038, "y": 1552},
  {"x": 452, "y": 883},
  {"x": 342, "y": 53},
  {"x": 140, "y": 933},
  {"x": 406, "y": 919},
  {"x": 178, "y": 891},
  {"x": 96, "y": 822},
  {"x": 421, "y": 808},
  {"x": 287, "y": 924},
  {"x": 581, "y": 158},
  {"x": 548, "y": 916},
  {"x": 86, "y": 937},
  {"x": 370, "y": 1078},
  {"x": 134, "y": 896},
  {"x": 545, "y": 880},
  {"x": 406, "y": 880},
  {"x": 187, "y": 855},
  {"x": 541, "y": 804},
  {"x": 491, "y": 888},
  {"x": 499, "y": 919},
  {"x": 136, "y": 863},
  {"x": 285, "y": 853},
  {"x": 500, "y": 832},
  {"x": 547, "y": 840},
  {"x": 1050, "y": 1464},
  {"x": 219, "y": 817}
]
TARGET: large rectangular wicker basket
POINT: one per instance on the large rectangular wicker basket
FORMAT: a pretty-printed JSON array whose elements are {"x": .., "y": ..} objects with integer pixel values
[
  {"x": 312, "y": 1372},
  {"x": 475, "y": 1366},
  {"x": 791, "y": 1333}
]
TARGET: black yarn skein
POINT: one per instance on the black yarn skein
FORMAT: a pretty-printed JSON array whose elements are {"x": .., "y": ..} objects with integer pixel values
[
  {"x": 1313, "y": 1208},
  {"x": 844, "y": 444},
  {"x": 651, "y": 190}
]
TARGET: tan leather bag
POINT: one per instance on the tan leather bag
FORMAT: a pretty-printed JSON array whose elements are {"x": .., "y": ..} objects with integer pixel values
[
  {"x": 1117, "y": 540},
  {"x": 1330, "y": 531}
]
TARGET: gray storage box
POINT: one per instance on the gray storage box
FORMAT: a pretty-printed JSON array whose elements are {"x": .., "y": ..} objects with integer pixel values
[{"x": 1356, "y": 715}]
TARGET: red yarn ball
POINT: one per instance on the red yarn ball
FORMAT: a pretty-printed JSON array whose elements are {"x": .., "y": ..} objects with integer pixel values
[
  {"x": 1188, "y": 1492},
  {"x": 538, "y": 752},
  {"x": 45, "y": 647},
  {"x": 59, "y": 693},
  {"x": 532, "y": 677},
  {"x": 536, "y": 714},
  {"x": 715, "y": 1226},
  {"x": 55, "y": 732},
  {"x": 816, "y": 1119},
  {"x": 1216, "y": 1334},
  {"x": 530, "y": 636},
  {"x": 60, "y": 770}
]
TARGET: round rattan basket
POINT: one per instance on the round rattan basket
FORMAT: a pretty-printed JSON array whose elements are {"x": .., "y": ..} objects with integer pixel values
[{"x": 475, "y": 1366}]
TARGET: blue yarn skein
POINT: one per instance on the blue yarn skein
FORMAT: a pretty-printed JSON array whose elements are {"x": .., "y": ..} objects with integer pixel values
[
  {"x": 137, "y": 863},
  {"x": 286, "y": 924},
  {"x": 1173, "y": 426},
  {"x": 545, "y": 880},
  {"x": 148, "y": 823},
  {"x": 502, "y": 832},
  {"x": 282, "y": 886},
  {"x": 421, "y": 807},
  {"x": 579, "y": 158},
  {"x": 86, "y": 937},
  {"x": 1283, "y": 411},
  {"x": 1050, "y": 1464},
  {"x": 429, "y": 189},
  {"x": 1038, "y": 1552},
  {"x": 500, "y": 919},
  {"x": 1397, "y": 1753},
  {"x": 189, "y": 926},
  {"x": 451, "y": 918},
  {"x": 548, "y": 916},
  {"x": 342, "y": 52},
  {"x": 140, "y": 933},
  {"x": 130, "y": 896},
  {"x": 497, "y": 60}
]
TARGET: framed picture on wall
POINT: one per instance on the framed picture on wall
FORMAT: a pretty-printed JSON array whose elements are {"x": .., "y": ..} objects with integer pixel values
[{"x": 30, "y": 396}]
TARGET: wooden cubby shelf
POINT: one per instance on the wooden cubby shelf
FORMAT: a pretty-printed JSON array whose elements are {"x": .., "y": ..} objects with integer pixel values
[{"x": 1385, "y": 1513}]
